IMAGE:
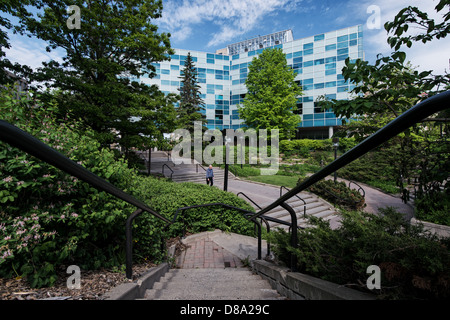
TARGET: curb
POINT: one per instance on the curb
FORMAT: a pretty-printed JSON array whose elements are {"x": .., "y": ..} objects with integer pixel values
[
  {"x": 299, "y": 286},
  {"x": 136, "y": 290}
]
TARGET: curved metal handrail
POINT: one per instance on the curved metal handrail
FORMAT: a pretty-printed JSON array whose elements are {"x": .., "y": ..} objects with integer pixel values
[
  {"x": 420, "y": 111},
  {"x": 414, "y": 115},
  {"x": 359, "y": 188},
  {"x": 247, "y": 213},
  {"x": 165, "y": 165},
  {"x": 26, "y": 142},
  {"x": 263, "y": 218},
  {"x": 304, "y": 202},
  {"x": 241, "y": 193}
]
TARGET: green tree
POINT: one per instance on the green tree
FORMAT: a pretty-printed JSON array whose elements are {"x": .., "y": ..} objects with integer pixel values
[
  {"x": 103, "y": 60},
  {"x": 11, "y": 7},
  {"x": 390, "y": 87},
  {"x": 191, "y": 104},
  {"x": 272, "y": 94}
]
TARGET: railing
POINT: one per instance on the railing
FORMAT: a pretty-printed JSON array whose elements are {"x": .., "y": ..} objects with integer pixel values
[
  {"x": 241, "y": 193},
  {"x": 363, "y": 193},
  {"x": 298, "y": 197},
  {"x": 197, "y": 165},
  {"x": 262, "y": 217},
  {"x": 166, "y": 166},
  {"x": 24, "y": 141},
  {"x": 414, "y": 115},
  {"x": 180, "y": 212}
]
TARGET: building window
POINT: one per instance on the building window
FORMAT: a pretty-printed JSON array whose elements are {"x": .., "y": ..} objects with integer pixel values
[{"x": 317, "y": 108}]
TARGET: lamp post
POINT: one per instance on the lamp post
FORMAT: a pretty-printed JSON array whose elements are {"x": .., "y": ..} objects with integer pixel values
[
  {"x": 335, "y": 146},
  {"x": 225, "y": 181},
  {"x": 241, "y": 138}
]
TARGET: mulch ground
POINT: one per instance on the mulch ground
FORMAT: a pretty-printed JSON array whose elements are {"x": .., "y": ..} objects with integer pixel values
[{"x": 94, "y": 285}]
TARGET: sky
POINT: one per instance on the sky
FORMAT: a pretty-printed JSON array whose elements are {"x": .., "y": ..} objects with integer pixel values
[{"x": 208, "y": 25}]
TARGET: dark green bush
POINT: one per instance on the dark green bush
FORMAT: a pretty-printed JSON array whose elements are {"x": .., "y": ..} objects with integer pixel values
[
  {"x": 434, "y": 207},
  {"x": 414, "y": 264},
  {"x": 337, "y": 193},
  {"x": 49, "y": 218}
]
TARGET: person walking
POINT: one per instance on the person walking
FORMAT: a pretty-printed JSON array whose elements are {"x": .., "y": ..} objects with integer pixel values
[{"x": 209, "y": 175}]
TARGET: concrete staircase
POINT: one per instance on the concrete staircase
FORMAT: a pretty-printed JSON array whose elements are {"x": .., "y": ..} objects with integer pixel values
[
  {"x": 212, "y": 284},
  {"x": 315, "y": 206}
]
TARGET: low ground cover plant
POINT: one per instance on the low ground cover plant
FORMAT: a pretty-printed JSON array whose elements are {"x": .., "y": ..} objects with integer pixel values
[{"x": 414, "y": 264}]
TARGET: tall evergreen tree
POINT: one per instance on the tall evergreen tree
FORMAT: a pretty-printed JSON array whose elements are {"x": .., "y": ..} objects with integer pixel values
[{"x": 191, "y": 104}]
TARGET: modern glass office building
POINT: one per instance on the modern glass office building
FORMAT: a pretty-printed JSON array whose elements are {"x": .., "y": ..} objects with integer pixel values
[{"x": 317, "y": 61}]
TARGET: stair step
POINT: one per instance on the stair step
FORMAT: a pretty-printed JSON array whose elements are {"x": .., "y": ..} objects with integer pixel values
[{"x": 211, "y": 284}]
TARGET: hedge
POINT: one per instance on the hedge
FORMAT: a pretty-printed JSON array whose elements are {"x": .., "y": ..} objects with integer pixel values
[{"x": 50, "y": 219}]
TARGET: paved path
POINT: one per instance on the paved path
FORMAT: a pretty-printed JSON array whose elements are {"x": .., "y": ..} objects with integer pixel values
[
  {"x": 218, "y": 249},
  {"x": 377, "y": 199},
  {"x": 263, "y": 194}
]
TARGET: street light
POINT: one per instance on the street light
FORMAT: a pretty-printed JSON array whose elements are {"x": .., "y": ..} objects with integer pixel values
[
  {"x": 335, "y": 146},
  {"x": 241, "y": 138}
]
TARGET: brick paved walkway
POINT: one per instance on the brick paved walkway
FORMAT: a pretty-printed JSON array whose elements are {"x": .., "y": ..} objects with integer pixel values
[{"x": 205, "y": 253}]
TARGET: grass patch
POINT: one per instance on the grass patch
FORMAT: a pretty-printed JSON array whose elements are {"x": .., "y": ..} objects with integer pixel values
[
  {"x": 278, "y": 180},
  {"x": 386, "y": 186}
]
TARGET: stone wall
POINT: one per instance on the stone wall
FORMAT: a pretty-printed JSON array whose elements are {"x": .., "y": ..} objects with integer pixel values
[{"x": 299, "y": 286}]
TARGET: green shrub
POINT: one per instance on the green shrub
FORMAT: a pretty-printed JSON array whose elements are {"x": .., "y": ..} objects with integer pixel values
[
  {"x": 304, "y": 145},
  {"x": 49, "y": 218},
  {"x": 337, "y": 193},
  {"x": 246, "y": 170},
  {"x": 413, "y": 263},
  {"x": 434, "y": 207}
]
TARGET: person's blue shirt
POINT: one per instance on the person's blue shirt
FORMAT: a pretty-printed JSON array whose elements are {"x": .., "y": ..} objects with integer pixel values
[{"x": 209, "y": 173}]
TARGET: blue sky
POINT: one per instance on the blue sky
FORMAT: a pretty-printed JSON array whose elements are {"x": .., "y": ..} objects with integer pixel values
[{"x": 208, "y": 25}]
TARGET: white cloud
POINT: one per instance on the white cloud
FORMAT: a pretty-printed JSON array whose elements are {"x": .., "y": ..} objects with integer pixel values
[
  {"x": 30, "y": 52},
  {"x": 433, "y": 55},
  {"x": 232, "y": 17}
]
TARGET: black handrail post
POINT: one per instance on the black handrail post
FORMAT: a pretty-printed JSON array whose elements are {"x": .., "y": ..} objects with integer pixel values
[
  {"x": 268, "y": 231},
  {"x": 149, "y": 160},
  {"x": 259, "y": 238},
  {"x": 420, "y": 111},
  {"x": 129, "y": 243},
  {"x": 293, "y": 234}
]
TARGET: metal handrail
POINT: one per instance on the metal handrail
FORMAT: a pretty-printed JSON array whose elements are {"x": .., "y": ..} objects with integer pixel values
[
  {"x": 262, "y": 217},
  {"x": 245, "y": 212},
  {"x": 241, "y": 193},
  {"x": 414, "y": 115},
  {"x": 196, "y": 167},
  {"x": 340, "y": 199},
  {"x": 180, "y": 211},
  {"x": 26, "y": 142},
  {"x": 304, "y": 202},
  {"x": 165, "y": 165},
  {"x": 359, "y": 188}
]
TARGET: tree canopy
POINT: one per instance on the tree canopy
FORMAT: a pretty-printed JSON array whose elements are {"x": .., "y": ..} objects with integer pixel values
[
  {"x": 98, "y": 77},
  {"x": 272, "y": 94}
]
